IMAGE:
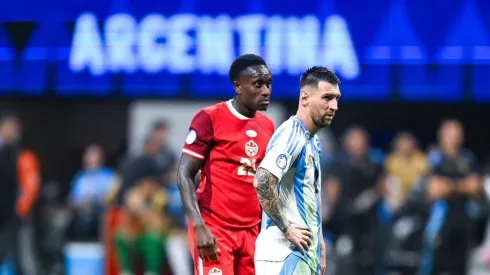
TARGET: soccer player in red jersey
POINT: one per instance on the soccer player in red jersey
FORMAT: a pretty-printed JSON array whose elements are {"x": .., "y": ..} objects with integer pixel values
[{"x": 227, "y": 141}]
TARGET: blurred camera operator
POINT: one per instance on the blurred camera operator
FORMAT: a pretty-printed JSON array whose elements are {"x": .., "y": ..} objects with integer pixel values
[{"x": 451, "y": 186}]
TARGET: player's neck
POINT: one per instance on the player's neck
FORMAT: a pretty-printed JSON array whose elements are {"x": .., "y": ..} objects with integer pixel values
[
  {"x": 307, "y": 121},
  {"x": 242, "y": 109}
]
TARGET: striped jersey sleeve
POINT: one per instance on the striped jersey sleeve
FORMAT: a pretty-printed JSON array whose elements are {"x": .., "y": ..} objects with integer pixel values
[{"x": 283, "y": 148}]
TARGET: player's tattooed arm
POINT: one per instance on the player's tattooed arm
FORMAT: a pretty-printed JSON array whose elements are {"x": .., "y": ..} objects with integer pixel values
[
  {"x": 266, "y": 186},
  {"x": 186, "y": 175}
]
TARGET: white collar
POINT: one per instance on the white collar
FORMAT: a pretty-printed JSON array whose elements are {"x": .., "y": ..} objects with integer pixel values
[{"x": 234, "y": 111}]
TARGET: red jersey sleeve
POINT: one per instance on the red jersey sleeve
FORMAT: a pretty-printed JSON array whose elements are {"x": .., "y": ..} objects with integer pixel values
[{"x": 200, "y": 137}]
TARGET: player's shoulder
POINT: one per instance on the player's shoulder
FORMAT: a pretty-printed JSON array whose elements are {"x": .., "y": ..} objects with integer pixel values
[
  {"x": 287, "y": 125},
  {"x": 212, "y": 109},
  {"x": 261, "y": 116},
  {"x": 293, "y": 128},
  {"x": 290, "y": 132},
  {"x": 263, "y": 119},
  {"x": 211, "y": 112}
]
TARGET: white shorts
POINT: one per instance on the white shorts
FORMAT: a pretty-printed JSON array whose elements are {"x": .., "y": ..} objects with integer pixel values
[{"x": 292, "y": 265}]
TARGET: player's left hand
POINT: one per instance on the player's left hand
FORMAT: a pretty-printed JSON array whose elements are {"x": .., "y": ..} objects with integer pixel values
[{"x": 323, "y": 257}]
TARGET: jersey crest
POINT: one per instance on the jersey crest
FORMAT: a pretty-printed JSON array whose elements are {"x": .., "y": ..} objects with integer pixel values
[
  {"x": 309, "y": 160},
  {"x": 215, "y": 271},
  {"x": 251, "y": 148}
]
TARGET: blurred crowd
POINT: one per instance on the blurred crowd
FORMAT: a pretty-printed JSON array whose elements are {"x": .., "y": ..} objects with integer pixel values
[
  {"x": 406, "y": 211},
  {"x": 143, "y": 199},
  {"x": 409, "y": 212}
]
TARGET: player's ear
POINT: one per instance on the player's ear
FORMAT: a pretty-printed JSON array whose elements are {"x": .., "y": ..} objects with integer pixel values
[
  {"x": 237, "y": 87},
  {"x": 304, "y": 98}
]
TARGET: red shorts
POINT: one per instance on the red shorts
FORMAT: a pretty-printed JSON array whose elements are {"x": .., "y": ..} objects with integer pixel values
[{"x": 237, "y": 251}]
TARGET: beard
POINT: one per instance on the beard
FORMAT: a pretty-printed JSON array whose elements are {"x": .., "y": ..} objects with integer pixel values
[{"x": 320, "y": 120}]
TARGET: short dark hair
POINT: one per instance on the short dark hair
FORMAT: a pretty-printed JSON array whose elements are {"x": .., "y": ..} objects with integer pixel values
[
  {"x": 242, "y": 63},
  {"x": 315, "y": 74}
]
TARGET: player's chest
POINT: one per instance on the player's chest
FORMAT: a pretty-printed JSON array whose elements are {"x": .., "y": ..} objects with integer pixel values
[
  {"x": 309, "y": 168},
  {"x": 247, "y": 140}
]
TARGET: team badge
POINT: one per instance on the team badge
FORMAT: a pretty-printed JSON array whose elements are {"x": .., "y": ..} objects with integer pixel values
[
  {"x": 215, "y": 271},
  {"x": 191, "y": 137},
  {"x": 251, "y": 148},
  {"x": 251, "y": 133},
  {"x": 309, "y": 160},
  {"x": 282, "y": 161}
]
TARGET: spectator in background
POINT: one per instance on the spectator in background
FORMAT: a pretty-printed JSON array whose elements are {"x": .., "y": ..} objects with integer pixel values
[
  {"x": 404, "y": 167},
  {"x": 10, "y": 132},
  {"x": 166, "y": 159},
  {"x": 329, "y": 146},
  {"x": 10, "y": 209},
  {"x": 353, "y": 186},
  {"x": 453, "y": 183},
  {"x": 156, "y": 162},
  {"x": 180, "y": 259},
  {"x": 137, "y": 168},
  {"x": 90, "y": 187},
  {"x": 28, "y": 170},
  {"x": 142, "y": 227},
  {"x": 19, "y": 182},
  {"x": 175, "y": 207}
]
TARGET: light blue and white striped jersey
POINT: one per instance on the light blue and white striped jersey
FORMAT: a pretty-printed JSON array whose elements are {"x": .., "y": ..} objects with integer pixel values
[{"x": 293, "y": 156}]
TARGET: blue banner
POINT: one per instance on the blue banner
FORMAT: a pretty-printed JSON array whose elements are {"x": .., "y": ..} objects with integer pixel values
[{"x": 382, "y": 50}]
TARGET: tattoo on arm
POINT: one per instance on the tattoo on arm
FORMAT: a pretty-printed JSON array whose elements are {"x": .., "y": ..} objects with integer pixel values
[{"x": 266, "y": 186}]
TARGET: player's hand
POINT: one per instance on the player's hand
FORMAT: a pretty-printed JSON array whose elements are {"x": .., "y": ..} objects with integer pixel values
[
  {"x": 301, "y": 238},
  {"x": 206, "y": 244}
]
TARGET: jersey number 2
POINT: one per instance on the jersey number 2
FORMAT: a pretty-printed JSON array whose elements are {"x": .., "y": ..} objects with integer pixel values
[{"x": 247, "y": 167}]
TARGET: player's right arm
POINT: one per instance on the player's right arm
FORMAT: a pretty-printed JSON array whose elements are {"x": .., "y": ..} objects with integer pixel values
[
  {"x": 282, "y": 151},
  {"x": 187, "y": 171},
  {"x": 198, "y": 142}
]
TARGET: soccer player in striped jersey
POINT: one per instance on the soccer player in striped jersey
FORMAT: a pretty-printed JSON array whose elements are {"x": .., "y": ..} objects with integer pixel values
[{"x": 288, "y": 183}]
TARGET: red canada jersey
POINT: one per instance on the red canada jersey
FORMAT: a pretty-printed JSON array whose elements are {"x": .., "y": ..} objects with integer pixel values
[{"x": 232, "y": 147}]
